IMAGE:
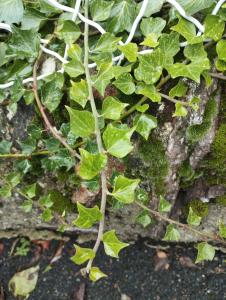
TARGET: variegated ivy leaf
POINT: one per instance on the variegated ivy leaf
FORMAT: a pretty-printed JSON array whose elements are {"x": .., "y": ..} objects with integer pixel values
[
  {"x": 124, "y": 189},
  {"x": 74, "y": 68},
  {"x": 144, "y": 124},
  {"x": 178, "y": 90},
  {"x": 103, "y": 78},
  {"x": 214, "y": 27},
  {"x": 107, "y": 42},
  {"x": 82, "y": 255},
  {"x": 153, "y": 7},
  {"x": 130, "y": 51},
  {"x": 164, "y": 205},
  {"x": 193, "y": 219},
  {"x": 112, "y": 108},
  {"x": 221, "y": 46},
  {"x": 194, "y": 6},
  {"x": 96, "y": 274},
  {"x": 205, "y": 252},
  {"x": 188, "y": 31},
  {"x": 151, "y": 40},
  {"x": 169, "y": 45},
  {"x": 100, "y": 9},
  {"x": 148, "y": 91},
  {"x": 112, "y": 245},
  {"x": 79, "y": 92},
  {"x": 82, "y": 122},
  {"x": 87, "y": 216},
  {"x": 117, "y": 140},
  {"x": 125, "y": 84},
  {"x": 68, "y": 31},
  {"x": 152, "y": 25},
  {"x": 91, "y": 164},
  {"x": 172, "y": 234},
  {"x": 75, "y": 52},
  {"x": 11, "y": 11}
]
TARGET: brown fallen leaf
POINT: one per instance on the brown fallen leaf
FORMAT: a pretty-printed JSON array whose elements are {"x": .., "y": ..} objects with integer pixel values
[
  {"x": 58, "y": 253},
  {"x": 80, "y": 293},
  {"x": 83, "y": 195},
  {"x": 1, "y": 248},
  {"x": 161, "y": 261},
  {"x": 44, "y": 244},
  {"x": 187, "y": 262}
]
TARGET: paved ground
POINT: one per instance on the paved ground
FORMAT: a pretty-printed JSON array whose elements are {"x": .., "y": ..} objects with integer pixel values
[{"x": 142, "y": 273}]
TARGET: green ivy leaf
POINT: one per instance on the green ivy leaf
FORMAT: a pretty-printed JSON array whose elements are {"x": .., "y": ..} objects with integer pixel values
[
  {"x": 148, "y": 91},
  {"x": 142, "y": 108},
  {"x": 82, "y": 122},
  {"x": 11, "y": 11},
  {"x": 106, "y": 42},
  {"x": 24, "y": 43},
  {"x": 87, "y": 216},
  {"x": 103, "y": 78},
  {"x": 82, "y": 255},
  {"x": 152, "y": 25},
  {"x": 96, "y": 274},
  {"x": 152, "y": 7},
  {"x": 46, "y": 201},
  {"x": 91, "y": 164},
  {"x": 193, "y": 219},
  {"x": 164, "y": 205},
  {"x": 47, "y": 215},
  {"x": 51, "y": 95},
  {"x": 112, "y": 245},
  {"x": 5, "y": 146},
  {"x": 68, "y": 31},
  {"x": 144, "y": 124},
  {"x": 74, "y": 68},
  {"x": 112, "y": 108},
  {"x": 75, "y": 52},
  {"x": 169, "y": 45},
  {"x": 125, "y": 84},
  {"x": 79, "y": 92},
  {"x": 214, "y": 27},
  {"x": 100, "y": 9},
  {"x": 194, "y": 103},
  {"x": 122, "y": 16},
  {"x": 124, "y": 189},
  {"x": 30, "y": 190},
  {"x": 6, "y": 191},
  {"x": 117, "y": 140},
  {"x": 222, "y": 230},
  {"x": 27, "y": 206},
  {"x": 180, "y": 111},
  {"x": 194, "y": 6},
  {"x": 221, "y": 46},
  {"x": 179, "y": 90},
  {"x": 205, "y": 252},
  {"x": 130, "y": 51},
  {"x": 172, "y": 234},
  {"x": 144, "y": 219},
  {"x": 151, "y": 40}
]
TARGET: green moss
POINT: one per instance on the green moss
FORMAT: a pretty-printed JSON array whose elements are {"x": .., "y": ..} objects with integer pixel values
[
  {"x": 201, "y": 209},
  {"x": 153, "y": 154},
  {"x": 221, "y": 200},
  {"x": 187, "y": 175},
  {"x": 197, "y": 132}
]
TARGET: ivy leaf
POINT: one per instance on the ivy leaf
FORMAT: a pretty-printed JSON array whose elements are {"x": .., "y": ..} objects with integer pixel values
[
  {"x": 87, "y": 216},
  {"x": 194, "y": 6},
  {"x": 172, "y": 234},
  {"x": 47, "y": 215},
  {"x": 221, "y": 46},
  {"x": 122, "y": 16},
  {"x": 74, "y": 68},
  {"x": 68, "y": 31},
  {"x": 112, "y": 108},
  {"x": 142, "y": 108},
  {"x": 5, "y": 146},
  {"x": 125, "y": 84},
  {"x": 112, "y": 245},
  {"x": 75, "y": 52},
  {"x": 164, "y": 205},
  {"x": 82, "y": 255},
  {"x": 130, "y": 51},
  {"x": 152, "y": 7},
  {"x": 24, "y": 43},
  {"x": 82, "y": 122},
  {"x": 144, "y": 219},
  {"x": 117, "y": 140},
  {"x": 6, "y": 191},
  {"x": 151, "y": 40},
  {"x": 194, "y": 103},
  {"x": 148, "y": 91},
  {"x": 30, "y": 190},
  {"x": 106, "y": 42},
  {"x": 152, "y": 25},
  {"x": 100, "y": 9},
  {"x": 205, "y": 252},
  {"x": 214, "y": 27},
  {"x": 179, "y": 90},
  {"x": 91, "y": 164},
  {"x": 222, "y": 230},
  {"x": 11, "y": 11},
  {"x": 193, "y": 219},
  {"x": 144, "y": 124},
  {"x": 96, "y": 274},
  {"x": 79, "y": 92},
  {"x": 124, "y": 189},
  {"x": 51, "y": 95},
  {"x": 169, "y": 44},
  {"x": 180, "y": 111},
  {"x": 188, "y": 31},
  {"x": 103, "y": 78}
]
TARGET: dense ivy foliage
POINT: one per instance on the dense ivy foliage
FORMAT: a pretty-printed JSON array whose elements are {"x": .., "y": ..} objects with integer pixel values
[{"x": 96, "y": 86}]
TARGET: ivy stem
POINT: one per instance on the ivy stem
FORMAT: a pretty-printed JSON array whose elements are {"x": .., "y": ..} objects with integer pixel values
[
  {"x": 21, "y": 155},
  {"x": 174, "y": 100},
  {"x": 217, "y": 75},
  {"x": 98, "y": 138},
  {"x": 206, "y": 236},
  {"x": 45, "y": 118}
]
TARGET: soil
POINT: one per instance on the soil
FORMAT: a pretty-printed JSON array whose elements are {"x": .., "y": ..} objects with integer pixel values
[{"x": 141, "y": 273}]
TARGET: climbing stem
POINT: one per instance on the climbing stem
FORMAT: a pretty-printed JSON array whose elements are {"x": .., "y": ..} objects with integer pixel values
[{"x": 98, "y": 138}]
